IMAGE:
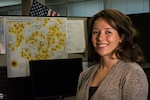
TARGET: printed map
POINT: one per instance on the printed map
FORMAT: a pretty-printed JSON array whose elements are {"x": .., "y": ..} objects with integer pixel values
[{"x": 34, "y": 38}]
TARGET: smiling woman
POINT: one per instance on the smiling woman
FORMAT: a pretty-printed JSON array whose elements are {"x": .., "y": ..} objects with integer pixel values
[{"x": 119, "y": 60}]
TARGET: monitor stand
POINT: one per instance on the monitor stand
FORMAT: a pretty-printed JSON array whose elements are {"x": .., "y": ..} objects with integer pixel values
[
  {"x": 54, "y": 98},
  {"x": 60, "y": 98}
]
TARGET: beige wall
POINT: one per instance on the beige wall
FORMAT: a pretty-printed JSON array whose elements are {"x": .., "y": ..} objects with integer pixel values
[{"x": 2, "y": 60}]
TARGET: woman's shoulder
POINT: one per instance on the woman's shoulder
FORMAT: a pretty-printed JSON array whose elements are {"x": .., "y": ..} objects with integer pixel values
[
  {"x": 131, "y": 67},
  {"x": 133, "y": 72}
]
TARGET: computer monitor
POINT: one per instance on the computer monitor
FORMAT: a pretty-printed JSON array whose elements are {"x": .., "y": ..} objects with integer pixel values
[{"x": 54, "y": 78}]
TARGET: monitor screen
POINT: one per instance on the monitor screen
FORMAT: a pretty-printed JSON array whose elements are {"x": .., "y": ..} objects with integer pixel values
[{"x": 54, "y": 78}]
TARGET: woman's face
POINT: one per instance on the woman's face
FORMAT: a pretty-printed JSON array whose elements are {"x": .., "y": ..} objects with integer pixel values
[{"x": 105, "y": 39}]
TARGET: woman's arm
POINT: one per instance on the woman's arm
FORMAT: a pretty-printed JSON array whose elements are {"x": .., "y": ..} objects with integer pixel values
[{"x": 135, "y": 86}]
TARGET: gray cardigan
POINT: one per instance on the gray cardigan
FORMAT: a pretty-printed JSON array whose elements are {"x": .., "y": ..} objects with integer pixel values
[{"x": 125, "y": 81}]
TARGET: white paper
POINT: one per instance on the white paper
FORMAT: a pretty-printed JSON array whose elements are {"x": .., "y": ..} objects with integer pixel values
[
  {"x": 85, "y": 65},
  {"x": 2, "y": 37},
  {"x": 76, "y": 36}
]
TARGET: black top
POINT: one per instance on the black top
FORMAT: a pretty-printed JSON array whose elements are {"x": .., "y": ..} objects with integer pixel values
[{"x": 92, "y": 91}]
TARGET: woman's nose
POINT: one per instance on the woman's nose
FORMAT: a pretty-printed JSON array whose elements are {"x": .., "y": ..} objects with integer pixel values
[{"x": 101, "y": 36}]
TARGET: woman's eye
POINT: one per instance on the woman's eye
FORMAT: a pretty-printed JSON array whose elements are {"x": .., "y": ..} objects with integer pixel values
[
  {"x": 95, "y": 32},
  {"x": 107, "y": 32}
]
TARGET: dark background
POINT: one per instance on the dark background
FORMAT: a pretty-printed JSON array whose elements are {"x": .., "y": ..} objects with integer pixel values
[{"x": 142, "y": 24}]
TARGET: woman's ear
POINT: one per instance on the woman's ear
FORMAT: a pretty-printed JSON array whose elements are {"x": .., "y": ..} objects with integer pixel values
[{"x": 121, "y": 38}]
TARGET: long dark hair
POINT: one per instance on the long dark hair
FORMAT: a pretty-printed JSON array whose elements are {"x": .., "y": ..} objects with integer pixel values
[{"x": 129, "y": 48}]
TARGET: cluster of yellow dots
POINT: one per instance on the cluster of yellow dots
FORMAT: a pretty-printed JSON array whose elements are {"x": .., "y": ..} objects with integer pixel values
[
  {"x": 59, "y": 21},
  {"x": 16, "y": 29},
  {"x": 52, "y": 41},
  {"x": 45, "y": 21}
]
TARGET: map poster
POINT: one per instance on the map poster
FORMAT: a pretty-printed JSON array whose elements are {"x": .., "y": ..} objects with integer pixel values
[{"x": 33, "y": 38}]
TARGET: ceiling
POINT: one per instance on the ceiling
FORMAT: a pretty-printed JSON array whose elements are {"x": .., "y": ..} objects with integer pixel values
[{"x": 4, "y": 3}]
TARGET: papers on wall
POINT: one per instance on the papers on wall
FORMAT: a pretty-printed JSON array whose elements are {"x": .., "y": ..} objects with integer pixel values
[
  {"x": 2, "y": 37},
  {"x": 85, "y": 65},
  {"x": 76, "y": 36},
  {"x": 33, "y": 38},
  {"x": 37, "y": 38}
]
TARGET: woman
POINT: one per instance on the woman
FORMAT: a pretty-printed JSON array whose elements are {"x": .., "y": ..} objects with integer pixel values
[{"x": 118, "y": 75}]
